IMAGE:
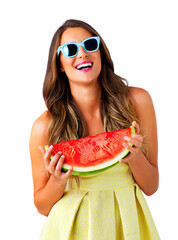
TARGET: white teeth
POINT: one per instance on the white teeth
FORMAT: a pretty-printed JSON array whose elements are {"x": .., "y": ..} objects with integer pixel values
[{"x": 85, "y": 65}]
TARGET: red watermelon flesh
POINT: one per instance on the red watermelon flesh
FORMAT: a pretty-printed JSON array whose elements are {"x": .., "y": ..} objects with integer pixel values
[{"x": 93, "y": 154}]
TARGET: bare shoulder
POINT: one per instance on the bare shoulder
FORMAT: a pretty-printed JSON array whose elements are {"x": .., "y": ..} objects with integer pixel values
[
  {"x": 39, "y": 132},
  {"x": 42, "y": 121},
  {"x": 139, "y": 97},
  {"x": 144, "y": 109}
]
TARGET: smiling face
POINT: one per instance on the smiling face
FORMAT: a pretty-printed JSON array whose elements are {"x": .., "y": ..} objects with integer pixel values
[{"x": 85, "y": 67}]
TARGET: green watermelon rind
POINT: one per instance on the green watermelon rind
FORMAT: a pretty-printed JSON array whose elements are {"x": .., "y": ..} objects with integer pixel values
[{"x": 100, "y": 167}]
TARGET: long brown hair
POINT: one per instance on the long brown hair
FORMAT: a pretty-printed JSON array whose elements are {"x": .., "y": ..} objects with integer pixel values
[{"x": 67, "y": 121}]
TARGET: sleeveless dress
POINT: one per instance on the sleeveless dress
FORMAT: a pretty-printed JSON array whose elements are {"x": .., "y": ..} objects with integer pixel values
[{"x": 106, "y": 206}]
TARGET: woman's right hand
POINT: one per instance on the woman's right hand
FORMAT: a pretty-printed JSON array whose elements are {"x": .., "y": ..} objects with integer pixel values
[
  {"x": 54, "y": 166},
  {"x": 48, "y": 188}
]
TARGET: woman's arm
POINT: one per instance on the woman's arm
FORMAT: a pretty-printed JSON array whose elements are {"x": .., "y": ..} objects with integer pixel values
[
  {"x": 144, "y": 168},
  {"x": 49, "y": 181}
]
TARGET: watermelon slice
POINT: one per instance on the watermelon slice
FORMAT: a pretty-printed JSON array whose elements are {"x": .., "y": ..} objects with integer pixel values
[{"x": 93, "y": 154}]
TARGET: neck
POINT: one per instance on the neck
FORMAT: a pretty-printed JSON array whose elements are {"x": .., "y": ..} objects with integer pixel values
[{"x": 87, "y": 99}]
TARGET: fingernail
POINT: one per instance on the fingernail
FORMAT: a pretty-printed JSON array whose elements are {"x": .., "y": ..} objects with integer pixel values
[
  {"x": 127, "y": 138},
  {"x": 124, "y": 144},
  {"x": 51, "y": 147},
  {"x": 60, "y": 152}
]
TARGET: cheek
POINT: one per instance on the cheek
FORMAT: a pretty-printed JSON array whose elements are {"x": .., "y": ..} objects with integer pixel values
[
  {"x": 99, "y": 65},
  {"x": 98, "y": 56},
  {"x": 65, "y": 63}
]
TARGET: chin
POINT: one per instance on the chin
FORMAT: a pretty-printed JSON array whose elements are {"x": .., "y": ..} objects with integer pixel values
[{"x": 84, "y": 80}]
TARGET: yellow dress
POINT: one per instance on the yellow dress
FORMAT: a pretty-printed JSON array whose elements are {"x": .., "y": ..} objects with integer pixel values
[{"x": 107, "y": 206}]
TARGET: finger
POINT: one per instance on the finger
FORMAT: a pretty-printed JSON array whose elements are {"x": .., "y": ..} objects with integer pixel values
[
  {"x": 132, "y": 149},
  {"x": 53, "y": 163},
  {"x": 42, "y": 149},
  {"x": 47, "y": 156},
  {"x": 60, "y": 163},
  {"x": 134, "y": 141},
  {"x": 69, "y": 172},
  {"x": 138, "y": 137},
  {"x": 124, "y": 160},
  {"x": 136, "y": 126},
  {"x": 48, "y": 152}
]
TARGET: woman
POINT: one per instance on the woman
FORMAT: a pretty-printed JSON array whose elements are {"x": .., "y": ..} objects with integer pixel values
[{"x": 85, "y": 97}]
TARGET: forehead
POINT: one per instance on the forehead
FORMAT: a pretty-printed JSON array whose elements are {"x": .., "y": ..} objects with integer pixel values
[{"x": 77, "y": 34}]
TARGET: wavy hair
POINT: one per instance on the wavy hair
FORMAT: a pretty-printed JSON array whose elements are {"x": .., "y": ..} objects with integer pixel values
[{"x": 66, "y": 121}]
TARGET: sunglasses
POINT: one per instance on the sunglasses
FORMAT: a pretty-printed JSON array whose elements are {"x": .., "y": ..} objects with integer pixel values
[{"x": 71, "y": 49}]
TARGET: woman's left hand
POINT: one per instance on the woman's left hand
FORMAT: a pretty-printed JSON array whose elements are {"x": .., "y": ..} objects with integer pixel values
[{"x": 136, "y": 139}]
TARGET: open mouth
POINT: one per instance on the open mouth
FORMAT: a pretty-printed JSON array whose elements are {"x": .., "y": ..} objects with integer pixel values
[{"x": 85, "y": 66}]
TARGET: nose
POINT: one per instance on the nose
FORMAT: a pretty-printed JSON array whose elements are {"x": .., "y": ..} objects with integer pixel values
[{"x": 81, "y": 52}]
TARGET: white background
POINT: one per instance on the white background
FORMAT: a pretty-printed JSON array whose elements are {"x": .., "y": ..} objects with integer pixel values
[{"x": 142, "y": 38}]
